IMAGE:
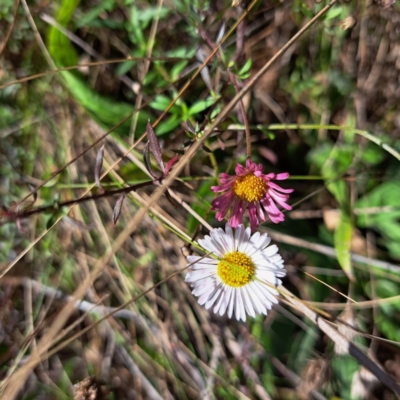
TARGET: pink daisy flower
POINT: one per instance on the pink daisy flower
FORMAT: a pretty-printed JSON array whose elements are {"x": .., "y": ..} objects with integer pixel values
[{"x": 251, "y": 189}]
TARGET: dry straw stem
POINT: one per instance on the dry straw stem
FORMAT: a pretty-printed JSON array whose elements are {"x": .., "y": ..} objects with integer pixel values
[
  {"x": 38, "y": 38},
  {"x": 341, "y": 341},
  {"x": 18, "y": 379},
  {"x": 357, "y": 306}
]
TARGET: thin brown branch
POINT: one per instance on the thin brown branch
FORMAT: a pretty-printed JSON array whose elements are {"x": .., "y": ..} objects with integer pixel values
[{"x": 97, "y": 196}]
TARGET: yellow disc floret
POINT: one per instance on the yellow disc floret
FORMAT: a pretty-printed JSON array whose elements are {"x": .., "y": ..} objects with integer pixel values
[
  {"x": 236, "y": 269},
  {"x": 250, "y": 187}
]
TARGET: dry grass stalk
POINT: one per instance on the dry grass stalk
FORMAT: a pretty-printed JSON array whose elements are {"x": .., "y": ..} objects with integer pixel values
[
  {"x": 364, "y": 381},
  {"x": 347, "y": 323}
]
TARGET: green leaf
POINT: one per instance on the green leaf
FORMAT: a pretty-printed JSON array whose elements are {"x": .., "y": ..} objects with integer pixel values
[
  {"x": 386, "y": 222},
  {"x": 385, "y": 288},
  {"x": 201, "y": 106},
  {"x": 90, "y": 17},
  {"x": 168, "y": 125},
  {"x": 105, "y": 110},
  {"x": 334, "y": 12},
  {"x": 59, "y": 46},
  {"x": 336, "y": 163},
  {"x": 177, "y": 69},
  {"x": 149, "y": 13},
  {"x": 246, "y": 68},
  {"x": 124, "y": 67},
  {"x": 342, "y": 241},
  {"x": 161, "y": 103}
]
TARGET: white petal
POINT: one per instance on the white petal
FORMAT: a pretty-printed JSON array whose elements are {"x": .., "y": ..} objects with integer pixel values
[
  {"x": 244, "y": 240},
  {"x": 261, "y": 294},
  {"x": 265, "y": 240},
  {"x": 202, "y": 289},
  {"x": 242, "y": 303},
  {"x": 193, "y": 259},
  {"x": 258, "y": 305},
  {"x": 220, "y": 300},
  {"x": 268, "y": 293},
  {"x": 238, "y": 301},
  {"x": 204, "y": 296},
  {"x": 192, "y": 277},
  {"x": 270, "y": 250},
  {"x": 213, "y": 297},
  {"x": 247, "y": 302},
  {"x": 240, "y": 237},
  {"x": 226, "y": 300},
  {"x": 230, "y": 237},
  {"x": 232, "y": 302},
  {"x": 251, "y": 250},
  {"x": 218, "y": 238},
  {"x": 267, "y": 276},
  {"x": 201, "y": 260},
  {"x": 255, "y": 238},
  {"x": 208, "y": 244},
  {"x": 204, "y": 267}
]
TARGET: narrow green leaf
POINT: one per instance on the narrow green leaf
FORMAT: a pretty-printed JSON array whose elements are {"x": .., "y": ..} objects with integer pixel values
[
  {"x": 59, "y": 46},
  {"x": 201, "y": 106},
  {"x": 342, "y": 241},
  {"x": 246, "y": 67}
]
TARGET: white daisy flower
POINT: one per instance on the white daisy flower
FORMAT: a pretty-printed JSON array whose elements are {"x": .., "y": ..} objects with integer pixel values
[{"x": 239, "y": 273}]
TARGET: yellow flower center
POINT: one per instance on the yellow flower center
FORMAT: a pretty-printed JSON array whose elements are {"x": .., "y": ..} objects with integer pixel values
[
  {"x": 236, "y": 269},
  {"x": 250, "y": 187}
]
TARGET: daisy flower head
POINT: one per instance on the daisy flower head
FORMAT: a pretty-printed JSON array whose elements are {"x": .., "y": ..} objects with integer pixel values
[
  {"x": 238, "y": 275},
  {"x": 250, "y": 188}
]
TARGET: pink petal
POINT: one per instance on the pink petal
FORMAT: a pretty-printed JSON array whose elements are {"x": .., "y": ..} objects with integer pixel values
[
  {"x": 240, "y": 169},
  {"x": 282, "y": 176},
  {"x": 253, "y": 217},
  {"x": 270, "y": 207},
  {"x": 273, "y": 185},
  {"x": 260, "y": 211},
  {"x": 221, "y": 188},
  {"x": 222, "y": 204},
  {"x": 249, "y": 164},
  {"x": 280, "y": 199},
  {"x": 259, "y": 167},
  {"x": 237, "y": 213}
]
